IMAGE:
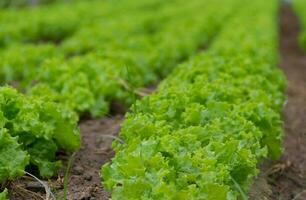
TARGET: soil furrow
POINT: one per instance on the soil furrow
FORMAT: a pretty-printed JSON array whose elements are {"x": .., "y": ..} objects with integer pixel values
[{"x": 285, "y": 179}]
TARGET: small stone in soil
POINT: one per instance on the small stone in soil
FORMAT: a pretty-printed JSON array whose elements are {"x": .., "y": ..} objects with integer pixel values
[
  {"x": 78, "y": 170},
  {"x": 88, "y": 177}
]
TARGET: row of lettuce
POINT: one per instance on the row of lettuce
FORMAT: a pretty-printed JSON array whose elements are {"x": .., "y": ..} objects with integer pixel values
[
  {"x": 300, "y": 9},
  {"x": 46, "y": 24},
  {"x": 23, "y": 3},
  {"x": 109, "y": 58},
  {"x": 208, "y": 126},
  {"x": 102, "y": 52}
]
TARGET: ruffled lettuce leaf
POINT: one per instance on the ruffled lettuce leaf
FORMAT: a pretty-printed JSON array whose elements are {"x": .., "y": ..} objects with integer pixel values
[{"x": 13, "y": 159}]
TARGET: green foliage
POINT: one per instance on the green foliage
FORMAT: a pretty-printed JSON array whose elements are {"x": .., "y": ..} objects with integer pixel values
[
  {"x": 17, "y": 3},
  {"x": 200, "y": 136},
  {"x": 45, "y": 24},
  {"x": 300, "y": 9},
  {"x": 3, "y": 195},
  {"x": 210, "y": 123},
  {"x": 101, "y": 52},
  {"x": 13, "y": 159},
  {"x": 18, "y": 60},
  {"x": 24, "y": 3},
  {"x": 88, "y": 68},
  {"x": 33, "y": 129}
]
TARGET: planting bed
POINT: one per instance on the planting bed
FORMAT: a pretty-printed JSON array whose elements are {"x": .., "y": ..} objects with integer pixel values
[{"x": 283, "y": 179}]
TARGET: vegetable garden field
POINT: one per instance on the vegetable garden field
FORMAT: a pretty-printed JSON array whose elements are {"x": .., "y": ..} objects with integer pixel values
[{"x": 152, "y": 100}]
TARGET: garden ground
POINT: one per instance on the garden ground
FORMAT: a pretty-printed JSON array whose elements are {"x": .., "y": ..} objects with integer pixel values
[{"x": 283, "y": 179}]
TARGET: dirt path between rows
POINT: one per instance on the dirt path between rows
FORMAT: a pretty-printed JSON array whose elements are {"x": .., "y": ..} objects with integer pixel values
[
  {"x": 286, "y": 179},
  {"x": 84, "y": 181}
]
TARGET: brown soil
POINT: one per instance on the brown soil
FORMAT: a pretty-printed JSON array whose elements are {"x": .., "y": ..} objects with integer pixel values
[
  {"x": 286, "y": 178},
  {"x": 84, "y": 178}
]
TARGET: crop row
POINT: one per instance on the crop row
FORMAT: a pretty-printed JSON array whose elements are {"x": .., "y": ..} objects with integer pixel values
[
  {"x": 82, "y": 64},
  {"x": 300, "y": 9},
  {"x": 46, "y": 24},
  {"x": 32, "y": 130},
  {"x": 24, "y": 3},
  {"x": 108, "y": 60},
  {"x": 210, "y": 123}
]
